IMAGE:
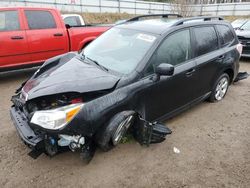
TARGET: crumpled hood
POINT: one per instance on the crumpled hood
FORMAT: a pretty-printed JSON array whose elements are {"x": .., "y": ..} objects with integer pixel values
[
  {"x": 68, "y": 74},
  {"x": 243, "y": 33}
]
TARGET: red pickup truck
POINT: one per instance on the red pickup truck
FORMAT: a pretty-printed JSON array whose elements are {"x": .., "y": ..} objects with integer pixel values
[{"x": 29, "y": 36}]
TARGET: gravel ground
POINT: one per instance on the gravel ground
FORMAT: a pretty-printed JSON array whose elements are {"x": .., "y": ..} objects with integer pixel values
[{"x": 213, "y": 140}]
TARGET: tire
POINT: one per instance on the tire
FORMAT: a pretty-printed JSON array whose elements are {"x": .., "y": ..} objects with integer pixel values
[
  {"x": 220, "y": 88},
  {"x": 87, "y": 153},
  {"x": 115, "y": 130}
]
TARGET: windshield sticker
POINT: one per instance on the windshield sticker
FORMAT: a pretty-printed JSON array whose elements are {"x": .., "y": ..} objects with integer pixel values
[{"x": 145, "y": 37}]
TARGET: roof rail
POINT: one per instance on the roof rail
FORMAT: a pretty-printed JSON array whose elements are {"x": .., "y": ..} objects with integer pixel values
[
  {"x": 204, "y": 18},
  {"x": 137, "y": 18}
]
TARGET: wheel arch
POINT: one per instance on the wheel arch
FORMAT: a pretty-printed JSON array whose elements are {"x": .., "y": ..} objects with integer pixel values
[
  {"x": 230, "y": 73},
  {"x": 86, "y": 42}
]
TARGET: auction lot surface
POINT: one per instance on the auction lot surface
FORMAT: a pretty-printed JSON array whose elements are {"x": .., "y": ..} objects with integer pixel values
[{"x": 213, "y": 139}]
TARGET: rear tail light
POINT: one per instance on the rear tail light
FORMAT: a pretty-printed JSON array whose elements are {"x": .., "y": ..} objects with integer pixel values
[{"x": 239, "y": 48}]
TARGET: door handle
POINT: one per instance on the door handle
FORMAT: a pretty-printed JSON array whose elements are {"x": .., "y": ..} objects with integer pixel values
[
  {"x": 16, "y": 37},
  {"x": 190, "y": 72},
  {"x": 220, "y": 58},
  {"x": 58, "y": 34}
]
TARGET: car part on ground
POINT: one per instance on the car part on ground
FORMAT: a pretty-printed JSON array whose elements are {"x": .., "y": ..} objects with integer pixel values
[
  {"x": 155, "y": 70},
  {"x": 147, "y": 133},
  {"x": 241, "y": 76}
]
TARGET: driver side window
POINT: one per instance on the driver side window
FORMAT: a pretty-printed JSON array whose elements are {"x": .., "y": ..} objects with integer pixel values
[{"x": 174, "y": 50}]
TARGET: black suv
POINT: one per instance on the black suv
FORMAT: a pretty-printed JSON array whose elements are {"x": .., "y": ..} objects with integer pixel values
[{"x": 133, "y": 75}]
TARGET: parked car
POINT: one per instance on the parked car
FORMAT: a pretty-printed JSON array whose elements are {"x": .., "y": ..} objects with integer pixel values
[
  {"x": 132, "y": 76},
  {"x": 238, "y": 23},
  {"x": 243, "y": 34},
  {"x": 29, "y": 36},
  {"x": 73, "y": 20}
]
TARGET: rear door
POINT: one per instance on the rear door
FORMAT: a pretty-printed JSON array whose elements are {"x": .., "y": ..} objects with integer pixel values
[
  {"x": 47, "y": 36},
  {"x": 209, "y": 58},
  {"x": 13, "y": 45}
]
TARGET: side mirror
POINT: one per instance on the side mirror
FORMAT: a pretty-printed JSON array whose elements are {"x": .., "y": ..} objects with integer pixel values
[
  {"x": 165, "y": 69},
  {"x": 67, "y": 26}
]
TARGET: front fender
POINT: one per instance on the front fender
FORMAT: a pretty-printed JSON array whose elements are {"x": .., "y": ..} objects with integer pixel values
[{"x": 98, "y": 112}]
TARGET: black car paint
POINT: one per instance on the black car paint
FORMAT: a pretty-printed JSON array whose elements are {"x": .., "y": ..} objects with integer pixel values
[
  {"x": 72, "y": 73},
  {"x": 150, "y": 99}
]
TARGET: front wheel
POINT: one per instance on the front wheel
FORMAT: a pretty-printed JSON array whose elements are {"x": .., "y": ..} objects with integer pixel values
[
  {"x": 220, "y": 88},
  {"x": 115, "y": 130}
]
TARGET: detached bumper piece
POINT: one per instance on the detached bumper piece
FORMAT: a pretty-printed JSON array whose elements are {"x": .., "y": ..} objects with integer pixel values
[
  {"x": 241, "y": 76},
  {"x": 27, "y": 134},
  {"x": 147, "y": 133}
]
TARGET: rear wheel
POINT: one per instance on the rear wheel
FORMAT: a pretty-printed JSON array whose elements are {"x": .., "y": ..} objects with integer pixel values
[{"x": 220, "y": 88}]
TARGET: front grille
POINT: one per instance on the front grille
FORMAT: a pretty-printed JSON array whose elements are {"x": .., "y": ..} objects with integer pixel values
[
  {"x": 245, "y": 51},
  {"x": 19, "y": 103},
  {"x": 244, "y": 41}
]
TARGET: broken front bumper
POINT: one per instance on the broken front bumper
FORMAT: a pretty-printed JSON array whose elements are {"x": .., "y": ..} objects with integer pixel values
[
  {"x": 42, "y": 143},
  {"x": 25, "y": 132}
]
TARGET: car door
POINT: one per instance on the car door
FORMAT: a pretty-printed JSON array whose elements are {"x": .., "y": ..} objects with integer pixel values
[
  {"x": 13, "y": 45},
  {"x": 170, "y": 93},
  {"x": 209, "y": 58},
  {"x": 46, "y": 36}
]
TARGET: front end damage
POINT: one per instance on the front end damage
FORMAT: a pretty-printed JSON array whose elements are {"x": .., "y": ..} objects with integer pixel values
[
  {"x": 53, "y": 137},
  {"x": 69, "y": 137}
]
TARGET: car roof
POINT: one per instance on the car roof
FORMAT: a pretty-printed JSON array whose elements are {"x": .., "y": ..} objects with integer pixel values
[
  {"x": 162, "y": 25},
  {"x": 156, "y": 26}
]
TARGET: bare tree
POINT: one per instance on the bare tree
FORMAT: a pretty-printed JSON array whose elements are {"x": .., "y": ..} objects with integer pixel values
[{"x": 182, "y": 7}]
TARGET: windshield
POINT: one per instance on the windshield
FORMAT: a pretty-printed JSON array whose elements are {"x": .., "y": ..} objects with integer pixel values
[
  {"x": 119, "y": 49},
  {"x": 246, "y": 26},
  {"x": 238, "y": 23}
]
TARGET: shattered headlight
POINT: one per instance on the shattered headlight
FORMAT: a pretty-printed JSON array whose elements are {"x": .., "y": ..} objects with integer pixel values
[{"x": 56, "y": 118}]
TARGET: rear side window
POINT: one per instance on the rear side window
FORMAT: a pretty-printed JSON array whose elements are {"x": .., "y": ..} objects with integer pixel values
[
  {"x": 225, "y": 34},
  {"x": 72, "y": 21},
  {"x": 9, "y": 21},
  {"x": 40, "y": 19},
  {"x": 206, "y": 40}
]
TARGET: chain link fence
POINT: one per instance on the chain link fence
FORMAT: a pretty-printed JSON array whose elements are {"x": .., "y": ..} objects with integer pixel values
[{"x": 132, "y": 7}]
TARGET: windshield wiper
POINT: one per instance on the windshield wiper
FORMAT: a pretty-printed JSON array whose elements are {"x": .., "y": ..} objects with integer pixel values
[{"x": 94, "y": 61}]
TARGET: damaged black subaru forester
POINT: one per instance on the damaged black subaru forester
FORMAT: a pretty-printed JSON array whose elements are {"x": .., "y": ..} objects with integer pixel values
[{"x": 132, "y": 76}]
